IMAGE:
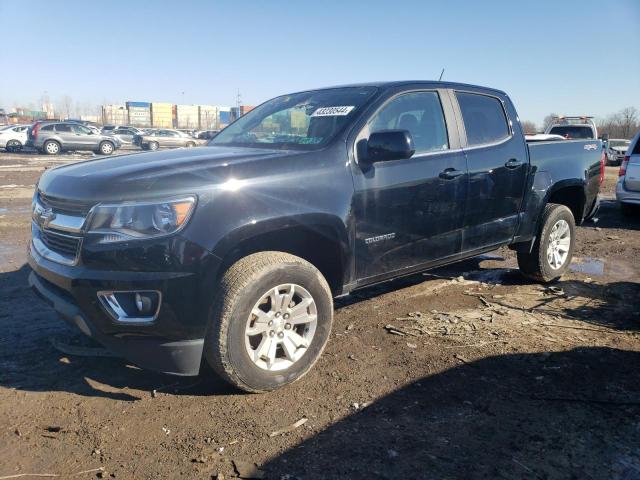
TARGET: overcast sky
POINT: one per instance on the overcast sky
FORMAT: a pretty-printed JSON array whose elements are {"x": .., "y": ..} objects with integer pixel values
[{"x": 567, "y": 57}]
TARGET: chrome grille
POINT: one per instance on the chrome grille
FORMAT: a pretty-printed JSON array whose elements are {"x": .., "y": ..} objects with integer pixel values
[{"x": 63, "y": 244}]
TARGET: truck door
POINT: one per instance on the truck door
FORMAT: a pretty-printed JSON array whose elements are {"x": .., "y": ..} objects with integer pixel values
[
  {"x": 498, "y": 164},
  {"x": 409, "y": 212}
]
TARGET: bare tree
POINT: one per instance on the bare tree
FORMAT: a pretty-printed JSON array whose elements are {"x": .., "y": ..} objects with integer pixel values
[
  {"x": 66, "y": 104},
  {"x": 628, "y": 121},
  {"x": 528, "y": 126}
]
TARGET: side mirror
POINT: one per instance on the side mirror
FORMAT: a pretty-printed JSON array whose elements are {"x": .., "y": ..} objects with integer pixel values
[{"x": 386, "y": 145}]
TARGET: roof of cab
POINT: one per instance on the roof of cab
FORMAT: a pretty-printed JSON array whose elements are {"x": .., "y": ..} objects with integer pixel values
[{"x": 399, "y": 83}]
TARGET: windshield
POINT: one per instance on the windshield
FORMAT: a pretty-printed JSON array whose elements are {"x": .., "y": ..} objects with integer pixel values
[
  {"x": 619, "y": 143},
  {"x": 573, "y": 132},
  {"x": 304, "y": 121}
]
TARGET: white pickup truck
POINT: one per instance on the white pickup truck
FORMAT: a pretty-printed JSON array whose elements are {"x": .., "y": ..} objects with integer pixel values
[{"x": 573, "y": 128}]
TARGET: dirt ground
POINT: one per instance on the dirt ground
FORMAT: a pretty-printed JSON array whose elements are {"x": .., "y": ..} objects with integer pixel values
[{"x": 464, "y": 372}]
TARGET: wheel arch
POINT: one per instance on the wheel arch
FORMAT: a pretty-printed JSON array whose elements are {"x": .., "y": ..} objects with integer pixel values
[
  {"x": 570, "y": 194},
  {"x": 320, "y": 239}
]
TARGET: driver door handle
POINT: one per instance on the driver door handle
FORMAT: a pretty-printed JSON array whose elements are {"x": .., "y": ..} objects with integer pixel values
[
  {"x": 513, "y": 163},
  {"x": 450, "y": 173}
]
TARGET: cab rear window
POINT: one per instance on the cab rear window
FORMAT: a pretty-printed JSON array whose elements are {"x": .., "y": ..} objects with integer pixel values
[{"x": 573, "y": 132}]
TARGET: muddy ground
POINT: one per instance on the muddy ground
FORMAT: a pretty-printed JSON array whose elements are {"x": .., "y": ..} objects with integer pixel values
[{"x": 464, "y": 372}]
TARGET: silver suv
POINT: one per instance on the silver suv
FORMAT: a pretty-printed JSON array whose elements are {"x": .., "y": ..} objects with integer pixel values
[{"x": 52, "y": 138}]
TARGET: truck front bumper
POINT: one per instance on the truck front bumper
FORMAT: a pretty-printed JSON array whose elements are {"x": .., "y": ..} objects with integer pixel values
[{"x": 171, "y": 343}]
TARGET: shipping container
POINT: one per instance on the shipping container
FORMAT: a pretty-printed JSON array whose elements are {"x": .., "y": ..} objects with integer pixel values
[
  {"x": 139, "y": 116},
  {"x": 162, "y": 115},
  {"x": 246, "y": 108},
  {"x": 138, "y": 104},
  {"x": 187, "y": 116},
  {"x": 115, "y": 114}
]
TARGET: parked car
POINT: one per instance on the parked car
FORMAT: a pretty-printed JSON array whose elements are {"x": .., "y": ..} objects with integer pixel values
[
  {"x": 205, "y": 135},
  {"x": 230, "y": 255},
  {"x": 628, "y": 186},
  {"x": 616, "y": 149},
  {"x": 125, "y": 134},
  {"x": 164, "y": 138},
  {"x": 54, "y": 137},
  {"x": 13, "y": 137},
  {"x": 108, "y": 128},
  {"x": 572, "y": 128}
]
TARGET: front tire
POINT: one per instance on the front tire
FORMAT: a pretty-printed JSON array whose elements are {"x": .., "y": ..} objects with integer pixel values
[
  {"x": 153, "y": 146},
  {"x": 106, "y": 148},
  {"x": 13, "y": 146},
  {"x": 51, "y": 147},
  {"x": 553, "y": 247},
  {"x": 190, "y": 145},
  {"x": 269, "y": 322}
]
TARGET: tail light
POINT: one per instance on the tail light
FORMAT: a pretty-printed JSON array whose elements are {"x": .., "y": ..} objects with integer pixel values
[
  {"x": 603, "y": 159},
  {"x": 623, "y": 166},
  {"x": 34, "y": 131}
]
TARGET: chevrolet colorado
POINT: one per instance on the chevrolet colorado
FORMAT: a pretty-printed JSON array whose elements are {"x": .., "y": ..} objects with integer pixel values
[{"x": 230, "y": 255}]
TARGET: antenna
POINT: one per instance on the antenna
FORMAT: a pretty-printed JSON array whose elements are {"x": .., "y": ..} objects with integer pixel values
[{"x": 441, "y": 73}]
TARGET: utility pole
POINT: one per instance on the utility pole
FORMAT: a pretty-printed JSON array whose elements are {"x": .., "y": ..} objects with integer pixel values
[{"x": 238, "y": 101}]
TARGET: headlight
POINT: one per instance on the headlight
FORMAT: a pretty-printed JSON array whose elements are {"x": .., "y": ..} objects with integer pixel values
[{"x": 140, "y": 220}]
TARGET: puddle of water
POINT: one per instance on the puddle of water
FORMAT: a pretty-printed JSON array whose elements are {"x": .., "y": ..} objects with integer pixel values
[
  {"x": 3, "y": 210},
  {"x": 591, "y": 266},
  {"x": 613, "y": 268}
]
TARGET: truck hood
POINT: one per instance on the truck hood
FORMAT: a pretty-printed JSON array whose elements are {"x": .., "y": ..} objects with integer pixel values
[{"x": 147, "y": 175}]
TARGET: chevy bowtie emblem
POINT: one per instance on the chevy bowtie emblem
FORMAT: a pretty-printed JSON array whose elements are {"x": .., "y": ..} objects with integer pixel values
[{"x": 45, "y": 217}]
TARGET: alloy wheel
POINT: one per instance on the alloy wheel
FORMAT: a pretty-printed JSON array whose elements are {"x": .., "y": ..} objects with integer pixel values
[
  {"x": 559, "y": 244},
  {"x": 280, "y": 327}
]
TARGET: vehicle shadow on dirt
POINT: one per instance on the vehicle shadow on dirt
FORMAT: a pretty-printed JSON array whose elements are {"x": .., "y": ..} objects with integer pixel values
[
  {"x": 29, "y": 361},
  {"x": 572, "y": 414}
]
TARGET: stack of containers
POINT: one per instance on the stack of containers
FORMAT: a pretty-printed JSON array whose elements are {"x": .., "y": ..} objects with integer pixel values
[
  {"x": 162, "y": 115},
  {"x": 115, "y": 114},
  {"x": 244, "y": 109},
  {"x": 187, "y": 116},
  {"x": 139, "y": 114},
  {"x": 208, "y": 117}
]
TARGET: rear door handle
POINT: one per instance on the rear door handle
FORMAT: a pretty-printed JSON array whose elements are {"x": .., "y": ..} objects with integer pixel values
[
  {"x": 513, "y": 163},
  {"x": 450, "y": 173}
]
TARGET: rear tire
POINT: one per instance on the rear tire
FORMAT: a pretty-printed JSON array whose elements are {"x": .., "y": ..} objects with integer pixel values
[
  {"x": 51, "y": 147},
  {"x": 302, "y": 297},
  {"x": 553, "y": 247}
]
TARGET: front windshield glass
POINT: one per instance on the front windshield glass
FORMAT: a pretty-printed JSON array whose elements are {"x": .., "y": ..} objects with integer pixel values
[{"x": 304, "y": 121}]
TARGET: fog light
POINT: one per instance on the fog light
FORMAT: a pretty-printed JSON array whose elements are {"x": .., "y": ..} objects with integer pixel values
[
  {"x": 144, "y": 303},
  {"x": 132, "y": 307}
]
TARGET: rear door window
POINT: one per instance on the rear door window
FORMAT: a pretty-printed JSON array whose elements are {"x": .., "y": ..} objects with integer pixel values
[
  {"x": 47, "y": 128},
  {"x": 63, "y": 128},
  {"x": 484, "y": 118}
]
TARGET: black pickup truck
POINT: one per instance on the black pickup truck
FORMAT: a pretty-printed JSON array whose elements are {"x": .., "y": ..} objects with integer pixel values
[{"x": 230, "y": 255}]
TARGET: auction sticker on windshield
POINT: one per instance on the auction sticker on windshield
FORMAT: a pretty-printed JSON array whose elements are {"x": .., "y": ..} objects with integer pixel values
[{"x": 333, "y": 111}]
